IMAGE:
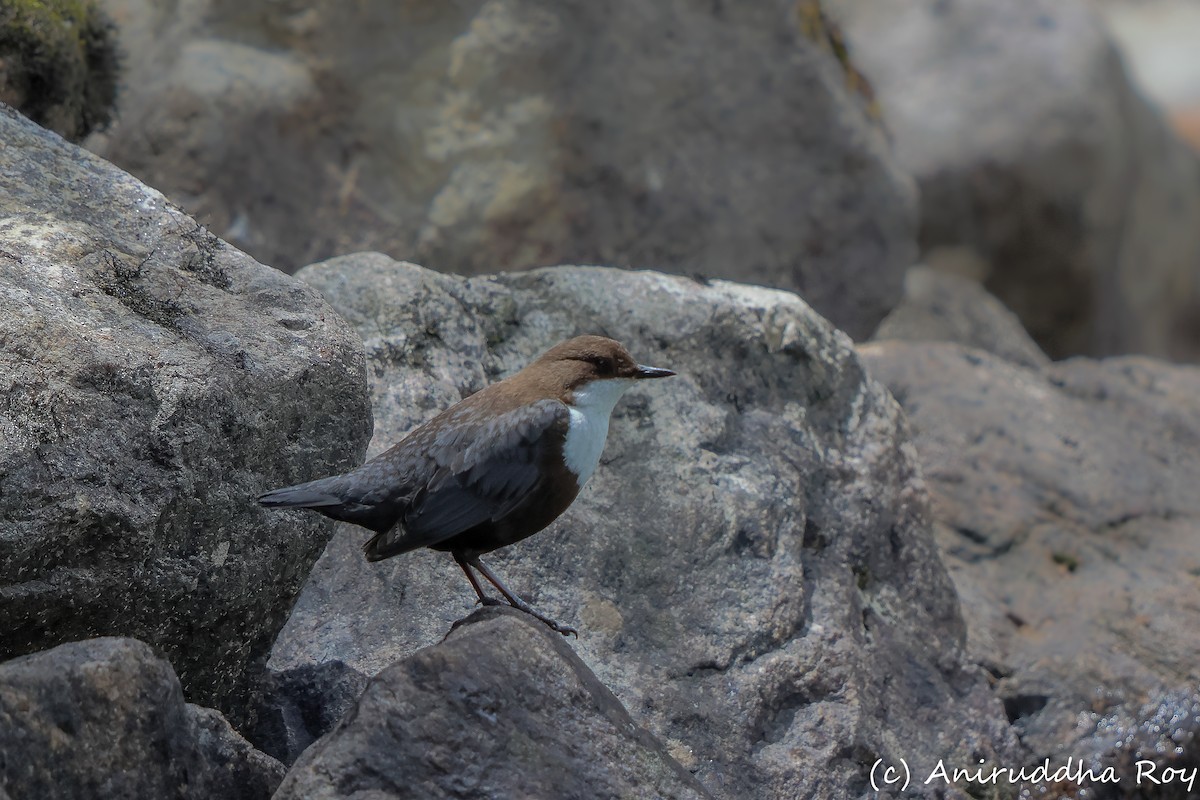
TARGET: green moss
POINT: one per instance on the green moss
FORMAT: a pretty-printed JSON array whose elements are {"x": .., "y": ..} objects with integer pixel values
[
  {"x": 817, "y": 27},
  {"x": 60, "y": 63}
]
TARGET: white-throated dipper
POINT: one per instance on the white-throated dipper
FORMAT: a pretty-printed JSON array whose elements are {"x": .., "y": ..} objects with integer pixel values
[{"x": 490, "y": 470}]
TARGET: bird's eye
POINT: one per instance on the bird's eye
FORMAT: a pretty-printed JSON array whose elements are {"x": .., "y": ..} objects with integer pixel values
[{"x": 602, "y": 363}]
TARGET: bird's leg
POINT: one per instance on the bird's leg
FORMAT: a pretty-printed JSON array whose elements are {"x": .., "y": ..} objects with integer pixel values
[
  {"x": 483, "y": 598},
  {"x": 517, "y": 602}
]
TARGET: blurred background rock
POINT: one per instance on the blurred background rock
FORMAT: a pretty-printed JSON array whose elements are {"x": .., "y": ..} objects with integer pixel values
[
  {"x": 741, "y": 143},
  {"x": 510, "y": 134},
  {"x": 1159, "y": 41},
  {"x": 1038, "y": 160}
]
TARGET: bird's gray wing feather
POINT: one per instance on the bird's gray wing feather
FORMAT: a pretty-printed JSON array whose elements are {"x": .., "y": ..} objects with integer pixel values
[{"x": 479, "y": 473}]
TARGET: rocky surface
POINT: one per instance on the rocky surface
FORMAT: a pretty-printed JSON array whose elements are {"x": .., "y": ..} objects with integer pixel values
[
  {"x": 704, "y": 139},
  {"x": 1154, "y": 749},
  {"x": 943, "y": 307},
  {"x": 1066, "y": 510},
  {"x": 502, "y": 708},
  {"x": 106, "y": 718},
  {"x": 155, "y": 381},
  {"x": 1031, "y": 146},
  {"x": 750, "y": 568}
]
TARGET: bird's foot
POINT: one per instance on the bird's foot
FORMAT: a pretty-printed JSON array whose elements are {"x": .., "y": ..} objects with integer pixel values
[
  {"x": 516, "y": 602},
  {"x": 565, "y": 630}
]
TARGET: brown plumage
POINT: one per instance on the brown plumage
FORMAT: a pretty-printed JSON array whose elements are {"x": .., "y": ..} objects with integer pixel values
[{"x": 490, "y": 470}]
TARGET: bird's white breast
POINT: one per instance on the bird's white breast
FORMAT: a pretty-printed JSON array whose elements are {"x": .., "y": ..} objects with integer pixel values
[{"x": 588, "y": 428}]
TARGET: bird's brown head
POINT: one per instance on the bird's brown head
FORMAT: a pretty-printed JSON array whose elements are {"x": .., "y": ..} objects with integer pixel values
[{"x": 585, "y": 359}]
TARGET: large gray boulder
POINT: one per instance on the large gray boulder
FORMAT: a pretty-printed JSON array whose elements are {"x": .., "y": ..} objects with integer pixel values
[
  {"x": 750, "y": 568},
  {"x": 1066, "y": 510},
  {"x": 713, "y": 139},
  {"x": 106, "y": 718},
  {"x": 1031, "y": 146},
  {"x": 156, "y": 380},
  {"x": 502, "y": 708}
]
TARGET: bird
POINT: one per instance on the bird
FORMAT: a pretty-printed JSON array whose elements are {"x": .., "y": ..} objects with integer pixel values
[{"x": 489, "y": 471}]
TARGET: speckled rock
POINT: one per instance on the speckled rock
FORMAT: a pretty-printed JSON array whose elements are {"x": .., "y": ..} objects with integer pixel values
[
  {"x": 750, "y": 568},
  {"x": 155, "y": 380},
  {"x": 106, "y": 718},
  {"x": 502, "y": 708},
  {"x": 1152, "y": 749},
  {"x": 1066, "y": 509}
]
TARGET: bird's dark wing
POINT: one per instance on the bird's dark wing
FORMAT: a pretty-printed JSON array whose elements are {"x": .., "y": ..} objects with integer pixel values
[{"x": 476, "y": 473}]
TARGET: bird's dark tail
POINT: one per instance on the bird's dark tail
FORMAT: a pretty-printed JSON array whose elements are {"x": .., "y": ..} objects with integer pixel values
[
  {"x": 330, "y": 496},
  {"x": 314, "y": 494}
]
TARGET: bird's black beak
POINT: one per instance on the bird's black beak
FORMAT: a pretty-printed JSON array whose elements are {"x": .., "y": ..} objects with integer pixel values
[{"x": 651, "y": 372}]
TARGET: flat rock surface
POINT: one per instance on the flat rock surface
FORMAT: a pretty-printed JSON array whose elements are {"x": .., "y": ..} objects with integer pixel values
[
  {"x": 106, "y": 718},
  {"x": 154, "y": 381},
  {"x": 1068, "y": 515},
  {"x": 502, "y": 708},
  {"x": 750, "y": 568}
]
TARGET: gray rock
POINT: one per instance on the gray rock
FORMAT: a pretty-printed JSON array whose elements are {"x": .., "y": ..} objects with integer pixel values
[
  {"x": 1031, "y": 146},
  {"x": 156, "y": 381},
  {"x": 106, "y": 718},
  {"x": 1153, "y": 749},
  {"x": 298, "y": 705},
  {"x": 938, "y": 306},
  {"x": 1067, "y": 513},
  {"x": 705, "y": 139},
  {"x": 502, "y": 708},
  {"x": 750, "y": 568}
]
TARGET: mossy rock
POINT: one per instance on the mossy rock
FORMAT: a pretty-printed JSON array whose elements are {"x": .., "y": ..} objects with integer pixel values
[
  {"x": 58, "y": 64},
  {"x": 818, "y": 28}
]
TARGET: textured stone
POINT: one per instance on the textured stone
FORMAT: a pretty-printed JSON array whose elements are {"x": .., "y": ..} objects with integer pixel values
[
  {"x": 1153, "y": 749},
  {"x": 942, "y": 307},
  {"x": 1031, "y": 146},
  {"x": 106, "y": 718},
  {"x": 502, "y": 708},
  {"x": 155, "y": 380},
  {"x": 502, "y": 134},
  {"x": 299, "y": 704},
  {"x": 1066, "y": 509},
  {"x": 750, "y": 568}
]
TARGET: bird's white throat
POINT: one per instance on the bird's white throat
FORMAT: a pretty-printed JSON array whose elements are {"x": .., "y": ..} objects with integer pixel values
[{"x": 588, "y": 428}]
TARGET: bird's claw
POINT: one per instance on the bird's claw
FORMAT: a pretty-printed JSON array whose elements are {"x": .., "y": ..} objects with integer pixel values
[
  {"x": 558, "y": 627},
  {"x": 489, "y": 601},
  {"x": 565, "y": 630}
]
